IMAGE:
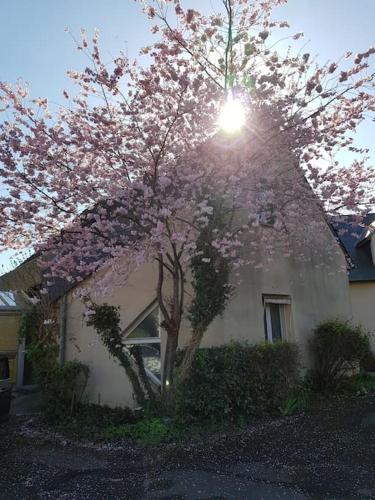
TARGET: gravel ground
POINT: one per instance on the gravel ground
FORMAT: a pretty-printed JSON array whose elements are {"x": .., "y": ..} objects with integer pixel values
[{"x": 326, "y": 454}]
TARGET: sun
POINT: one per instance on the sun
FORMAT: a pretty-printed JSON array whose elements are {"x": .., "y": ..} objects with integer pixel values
[{"x": 232, "y": 116}]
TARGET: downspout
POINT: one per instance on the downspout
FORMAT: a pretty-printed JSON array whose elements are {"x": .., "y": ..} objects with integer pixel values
[
  {"x": 372, "y": 246},
  {"x": 62, "y": 330}
]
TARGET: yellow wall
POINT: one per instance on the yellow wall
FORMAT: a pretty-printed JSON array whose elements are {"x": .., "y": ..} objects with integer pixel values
[
  {"x": 363, "y": 305},
  {"x": 9, "y": 325}
]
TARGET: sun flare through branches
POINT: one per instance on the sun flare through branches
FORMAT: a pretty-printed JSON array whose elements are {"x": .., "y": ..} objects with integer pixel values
[{"x": 232, "y": 115}]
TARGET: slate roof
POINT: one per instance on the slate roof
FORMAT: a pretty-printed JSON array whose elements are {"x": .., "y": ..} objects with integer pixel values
[
  {"x": 28, "y": 275},
  {"x": 355, "y": 238}
]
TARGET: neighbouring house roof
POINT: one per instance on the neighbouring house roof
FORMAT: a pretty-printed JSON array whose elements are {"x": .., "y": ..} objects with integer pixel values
[
  {"x": 29, "y": 275},
  {"x": 355, "y": 237},
  {"x": 23, "y": 277},
  {"x": 12, "y": 302}
]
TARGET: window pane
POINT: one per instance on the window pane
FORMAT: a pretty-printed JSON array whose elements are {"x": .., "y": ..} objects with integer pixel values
[
  {"x": 266, "y": 214},
  {"x": 151, "y": 358},
  {"x": 149, "y": 327},
  {"x": 150, "y": 354},
  {"x": 275, "y": 321},
  {"x": 9, "y": 298}
]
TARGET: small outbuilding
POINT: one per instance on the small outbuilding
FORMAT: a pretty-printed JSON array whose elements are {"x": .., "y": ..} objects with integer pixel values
[
  {"x": 12, "y": 306},
  {"x": 358, "y": 240}
]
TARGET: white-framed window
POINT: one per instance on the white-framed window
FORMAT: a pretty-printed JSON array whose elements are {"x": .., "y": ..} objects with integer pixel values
[
  {"x": 143, "y": 334},
  {"x": 264, "y": 206},
  {"x": 277, "y": 317},
  {"x": 266, "y": 215}
]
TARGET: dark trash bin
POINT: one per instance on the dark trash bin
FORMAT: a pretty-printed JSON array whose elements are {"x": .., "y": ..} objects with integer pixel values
[{"x": 5, "y": 388}]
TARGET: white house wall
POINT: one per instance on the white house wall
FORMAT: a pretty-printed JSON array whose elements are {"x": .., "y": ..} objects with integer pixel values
[
  {"x": 107, "y": 383},
  {"x": 318, "y": 290}
]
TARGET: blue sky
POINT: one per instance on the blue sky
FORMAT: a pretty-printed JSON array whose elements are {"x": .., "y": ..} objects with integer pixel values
[{"x": 34, "y": 46}]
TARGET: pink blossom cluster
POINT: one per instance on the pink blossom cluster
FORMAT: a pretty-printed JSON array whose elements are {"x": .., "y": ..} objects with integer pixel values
[{"x": 133, "y": 167}]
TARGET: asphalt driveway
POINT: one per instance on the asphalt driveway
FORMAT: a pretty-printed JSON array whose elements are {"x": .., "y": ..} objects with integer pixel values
[
  {"x": 26, "y": 401},
  {"x": 328, "y": 454}
]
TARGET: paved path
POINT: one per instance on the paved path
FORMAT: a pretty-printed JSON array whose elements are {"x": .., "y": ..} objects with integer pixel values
[
  {"x": 192, "y": 484},
  {"x": 65, "y": 473},
  {"x": 25, "y": 402}
]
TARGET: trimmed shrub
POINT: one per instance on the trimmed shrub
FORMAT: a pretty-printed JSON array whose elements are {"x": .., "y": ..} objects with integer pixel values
[
  {"x": 62, "y": 389},
  {"x": 368, "y": 362},
  {"x": 236, "y": 380},
  {"x": 337, "y": 348}
]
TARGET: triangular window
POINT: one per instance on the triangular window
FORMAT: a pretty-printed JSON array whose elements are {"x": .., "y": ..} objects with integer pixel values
[
  {"x": 148, "y": 327},
  {"x": 144, "y": 336}
]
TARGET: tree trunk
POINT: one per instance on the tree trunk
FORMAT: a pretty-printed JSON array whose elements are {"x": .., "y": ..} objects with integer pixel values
[
  {"x": 133, "y": 377},
  {"x": 169, "y": 359},
  {"x": 190, "y": 352},
  {"x": 142, "y": 373}
]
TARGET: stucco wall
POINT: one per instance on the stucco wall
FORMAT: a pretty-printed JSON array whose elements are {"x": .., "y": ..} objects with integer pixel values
[
  {"x": 318, "y": 289},
  {"x": 363, "y": 304},
  {"x": 107, "y": 381}
]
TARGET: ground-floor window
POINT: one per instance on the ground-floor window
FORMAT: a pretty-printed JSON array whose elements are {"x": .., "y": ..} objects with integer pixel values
[
  {"x": 277, "y": 317},
  {"x": 143, "y": 337}
]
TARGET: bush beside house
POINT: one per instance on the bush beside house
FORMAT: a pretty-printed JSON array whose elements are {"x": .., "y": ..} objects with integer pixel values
[
  {"x": 338, "y": 350},
  {"x": 237, "y": 380},
  {"x": 62, "y": 384},
  {"x": 226, "y": 385},
  {"x": 62, "y": 390}
]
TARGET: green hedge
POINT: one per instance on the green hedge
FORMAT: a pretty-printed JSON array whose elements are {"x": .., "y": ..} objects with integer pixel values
[
  {"x": 62, "y": 389},
  {"x": 337, "y": 349},
  {"x": 237, "y": 380}
]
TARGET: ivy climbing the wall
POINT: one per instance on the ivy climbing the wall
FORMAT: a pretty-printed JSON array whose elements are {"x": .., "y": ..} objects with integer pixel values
[
  {"x": 210, "y": 283},
  {"x": 106, "y": 321}
]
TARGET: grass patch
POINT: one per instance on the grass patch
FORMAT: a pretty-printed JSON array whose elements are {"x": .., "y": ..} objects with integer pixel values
[
  {"x": 360, "y": 384},
  {"x": 90, "y": 420},
  {"x": 102, "y": 423},
  {"x": 147, "y": 432}
]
